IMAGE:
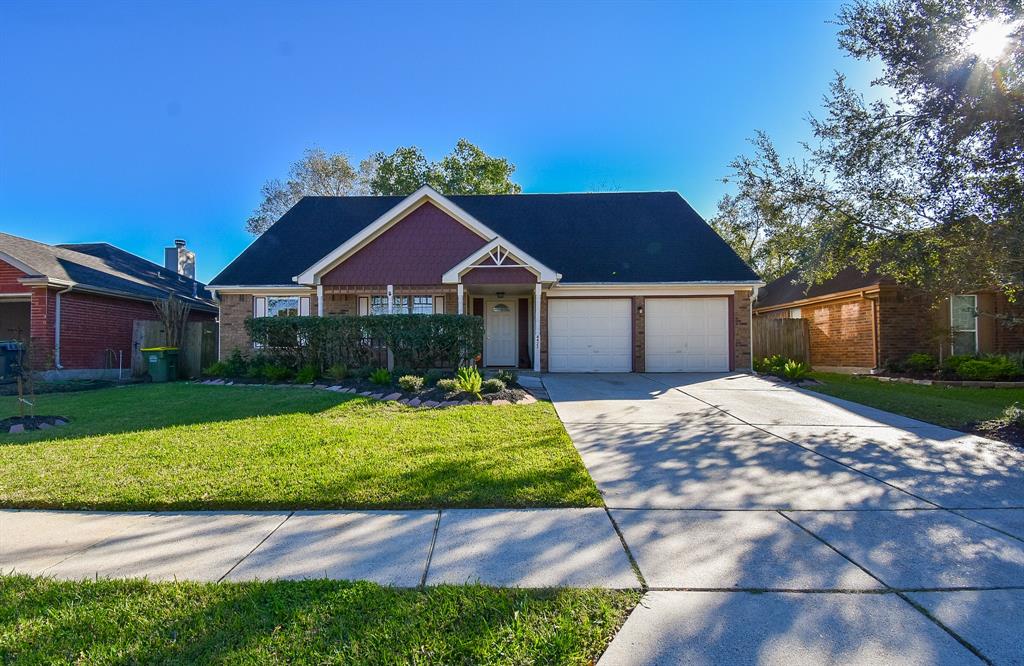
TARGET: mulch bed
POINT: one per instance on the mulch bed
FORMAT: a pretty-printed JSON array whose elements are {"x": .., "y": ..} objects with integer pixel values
[
  {"x": 32, "y": 422},
  {"x": 1011, "y": 434}
]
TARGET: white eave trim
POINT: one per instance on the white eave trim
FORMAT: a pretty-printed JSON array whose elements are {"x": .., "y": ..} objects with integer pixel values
[
  {"x": 544, "y": 274},
  {"x": 708, "y": 288},
  {"x": 311, "y": 276},
  {"x": 258, "y": 288}
]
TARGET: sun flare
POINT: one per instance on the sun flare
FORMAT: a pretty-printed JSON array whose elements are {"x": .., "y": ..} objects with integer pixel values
[{"x": 990, "y": 39}]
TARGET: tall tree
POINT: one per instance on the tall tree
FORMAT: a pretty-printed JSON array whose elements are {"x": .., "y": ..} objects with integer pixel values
[
  {"x": 317, "y": 173},
  {"x": 925, "y": 184},
  {"x": 466, "y": 170},
  {"x": 402, "y": 172}
]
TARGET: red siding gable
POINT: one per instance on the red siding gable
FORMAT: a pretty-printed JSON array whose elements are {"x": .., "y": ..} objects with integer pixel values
[
  {"x": 9, "y": 280},
  {"x": 417, "y": 250}
]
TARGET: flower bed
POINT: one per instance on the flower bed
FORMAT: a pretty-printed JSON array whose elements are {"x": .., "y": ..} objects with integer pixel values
[{"x": 16, "y": 424}]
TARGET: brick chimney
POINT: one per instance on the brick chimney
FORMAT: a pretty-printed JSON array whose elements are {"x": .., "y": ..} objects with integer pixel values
[{"x": 180, "y": 259}]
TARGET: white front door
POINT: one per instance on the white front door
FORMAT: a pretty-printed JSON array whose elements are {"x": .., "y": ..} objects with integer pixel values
[
  {"x": 500, "y": 332},
  {"x": 590, "y": 335},
  {"x": 687, "y": 335}
]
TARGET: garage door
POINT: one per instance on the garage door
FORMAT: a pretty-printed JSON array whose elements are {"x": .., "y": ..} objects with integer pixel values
[
  {"x": 687, "y": 334},
  {"x": 590, "y": 335}
]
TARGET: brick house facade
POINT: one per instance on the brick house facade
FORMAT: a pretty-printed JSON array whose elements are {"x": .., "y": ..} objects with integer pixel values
[
  {"x": 383, "y": 250},
  {"x": 861, "y": 322}
]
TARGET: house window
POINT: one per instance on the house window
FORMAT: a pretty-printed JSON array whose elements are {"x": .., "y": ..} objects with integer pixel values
[
  {"x": 794, "y": 313},
  {"x": 378, "y": 305},
  {"x": 963, "y": 319},
  {"x": 402, "y": 305},
  {"x": 283, "y": 307},
  {"x": 422, "y": 305}
]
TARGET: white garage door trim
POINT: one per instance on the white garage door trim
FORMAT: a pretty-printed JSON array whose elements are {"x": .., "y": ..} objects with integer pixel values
[
  {"x": 590, "y": 335},
  {"x": 686, "y": 335}
]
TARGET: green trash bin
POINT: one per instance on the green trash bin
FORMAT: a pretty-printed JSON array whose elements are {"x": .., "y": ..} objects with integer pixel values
[{"x": 161, "y": 363}]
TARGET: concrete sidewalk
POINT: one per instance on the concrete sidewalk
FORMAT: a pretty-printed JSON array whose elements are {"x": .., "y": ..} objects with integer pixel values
[{"x": 510, "y": 548}]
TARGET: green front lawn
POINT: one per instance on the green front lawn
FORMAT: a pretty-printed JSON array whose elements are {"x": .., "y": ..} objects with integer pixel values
[
  {"x": 187, "y": 446},
  {"x": 314, "y": 622},
  {"x": 950, "y": 406}
]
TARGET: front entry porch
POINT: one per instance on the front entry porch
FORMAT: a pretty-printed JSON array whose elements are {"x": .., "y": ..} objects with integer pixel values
[{"x": 511, "y": 317}]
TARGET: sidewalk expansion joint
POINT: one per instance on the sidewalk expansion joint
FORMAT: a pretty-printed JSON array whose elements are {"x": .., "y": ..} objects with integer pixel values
[
  {"x": 430, "y": 550},
  {"x": 629, "y": 553},
  {"x": 253, "y": 550}
]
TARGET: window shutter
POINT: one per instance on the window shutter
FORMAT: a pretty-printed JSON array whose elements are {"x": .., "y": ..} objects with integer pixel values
[
  {"x": 259, "y": 307},
  {"x": 304, "y": 306},
  {"x": 438, "y": 304},
  {"x": 364, "y": 306}
]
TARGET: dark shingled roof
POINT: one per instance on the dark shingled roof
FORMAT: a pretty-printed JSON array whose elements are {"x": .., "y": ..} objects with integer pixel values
[
  {"x": 790, "y": 288},
  {"x": 606, "y": 237},
  {"x": 106, "y": 268}
]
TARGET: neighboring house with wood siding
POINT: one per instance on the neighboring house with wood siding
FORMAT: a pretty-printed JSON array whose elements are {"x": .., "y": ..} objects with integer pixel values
[
  {"x": 859, "y": 321},
  {"x": 610, "y": 282},
  {"x": 77, "y": 303}
]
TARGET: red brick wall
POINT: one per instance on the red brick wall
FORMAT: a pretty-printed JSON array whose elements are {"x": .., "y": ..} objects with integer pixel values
[
  {"x": 907, "y": 324},
  {"x": 43, "y": 309},
  {"x": 419, "y": 249},
  {"x": 841, "y": 333}
]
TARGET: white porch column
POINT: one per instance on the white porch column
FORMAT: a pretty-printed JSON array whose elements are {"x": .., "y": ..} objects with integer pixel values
[
  {"x": 536, "y": 327},
  {"x": 461, "y": 296},
  {"x": 319, "y": 300},
  {"x": 391, "y": 299}
]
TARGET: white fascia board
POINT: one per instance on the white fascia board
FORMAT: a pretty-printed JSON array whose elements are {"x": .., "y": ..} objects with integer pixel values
[
  {"x": 544, "y": 274},
  {"x": 650, "y": 289},
  {"x": 258, "y": 288},
  {"x": 311, "y": 276}
]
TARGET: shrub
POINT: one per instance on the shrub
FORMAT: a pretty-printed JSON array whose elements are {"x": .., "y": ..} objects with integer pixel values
[
  {"x": 1013, "y": 415},
  {"x": 307, "y": 375},
  {"x": 416, "y": 341},
  {"x": 771, "y": 365},
  {"x": 921, "y": 363},
  {"x": 795, "y": 371},
  {"x": 363, "y": 372},
  {"x": 449, "y": 386},
  {"x": 276, "y": 373},
  {"x": 894, "y": 366},
  {"x": 432, "y": 376},
  {"x": 337, "y": 371},
  {"x": 492, "y": 386},
  {"x": 411, "y": 383},
  {"x": 468, "y": 379},
  {"x": 217, "y": 369},
  {"x": 951, "y": 365},
  {"x": 236, "y": 365},
  {"x": 508, "y": 376},
  {"x": 380, "y": 376},
  {"x": 991, "y": 368}
]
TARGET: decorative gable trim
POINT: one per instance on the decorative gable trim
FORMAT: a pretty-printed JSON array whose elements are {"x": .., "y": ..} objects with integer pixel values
[
  {"x": 371, "y": 231},
  {"x": 499, "y": 253}
]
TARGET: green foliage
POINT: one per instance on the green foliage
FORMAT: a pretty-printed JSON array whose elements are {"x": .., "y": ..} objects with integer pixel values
[
  {"x": 508, "y": 376},
  {"x": 337, "y": 371},
  {"x": 771, "y": 365},
  {"x": 275, "y": 372},
  {"x": 494, "y": 385},
  {"x": 466, "y": 170},
  {"x": 921, "y": 363},
  {"x": 919, "y": 178},
  {"x": 795, "y": 371},
  {"x": 448, "y": 385},
  {"x": 1013, "y": 415},
  {"x": 411, "y": 383},
  {"x": 236, "y": 365},
  {"x": 468, "y": 379},
  {"x": 417, "y": 341},
  {"x": 307, "y": 374},
  {"x": 216, "y": 369},
  {"x": 990, "y": 368},
  {"x": 432, "y": 376},
  {"x": 381, "y": 377},
  {"x": 951, "y": 364},
  {"x": 894, "y": 366}
]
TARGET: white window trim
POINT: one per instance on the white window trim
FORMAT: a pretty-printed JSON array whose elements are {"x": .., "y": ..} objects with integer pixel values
[{"x": 974, "y": 298}]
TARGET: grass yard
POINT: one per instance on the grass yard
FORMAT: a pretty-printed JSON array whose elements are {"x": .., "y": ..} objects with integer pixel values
[
  {"x": 188, "y": 446},
  {"x": 316, "y": 622},
  {"x": 950, "y": 406}
]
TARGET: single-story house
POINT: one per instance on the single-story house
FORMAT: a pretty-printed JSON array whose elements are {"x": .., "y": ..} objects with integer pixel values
[
  {"x": 610, "y": 282},
  {"x": 76, "y": 303},
  {"x": 858, "y": 321}
]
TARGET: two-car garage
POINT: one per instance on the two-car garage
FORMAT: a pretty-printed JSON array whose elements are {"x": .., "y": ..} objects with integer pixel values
[{"x": 688, "y": 334}]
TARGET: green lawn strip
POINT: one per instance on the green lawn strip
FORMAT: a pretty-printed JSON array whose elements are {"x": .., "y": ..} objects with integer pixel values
[
  {"x": 320, "y": 621},
  {"x": 187, "y": 446},
  {"x": 950, "y": 406}
]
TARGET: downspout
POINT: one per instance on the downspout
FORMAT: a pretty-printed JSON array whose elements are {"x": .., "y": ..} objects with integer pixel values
[{"x": 56, "y": 329}]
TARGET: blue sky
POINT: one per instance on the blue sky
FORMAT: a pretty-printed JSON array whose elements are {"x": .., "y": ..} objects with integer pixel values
[{"x": 135, "y": 123}]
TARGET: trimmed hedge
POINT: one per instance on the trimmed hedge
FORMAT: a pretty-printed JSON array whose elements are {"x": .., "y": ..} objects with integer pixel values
[{"x": 417, "y": 341}]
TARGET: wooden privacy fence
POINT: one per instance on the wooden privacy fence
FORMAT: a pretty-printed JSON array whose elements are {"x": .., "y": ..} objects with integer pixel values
[
  {"x": 198, "y": 345},
  {"x": 788, "y": 337}
]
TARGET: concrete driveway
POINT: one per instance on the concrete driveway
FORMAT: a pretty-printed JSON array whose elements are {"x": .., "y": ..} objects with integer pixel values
[{"x": 775, "y": 525}]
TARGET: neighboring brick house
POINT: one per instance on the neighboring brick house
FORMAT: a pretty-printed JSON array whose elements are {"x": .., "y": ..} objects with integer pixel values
[
  {"x": 76, "y": 304},
  {"x": 860, "y": 321},
  {"x": 613, "y": 282}
]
